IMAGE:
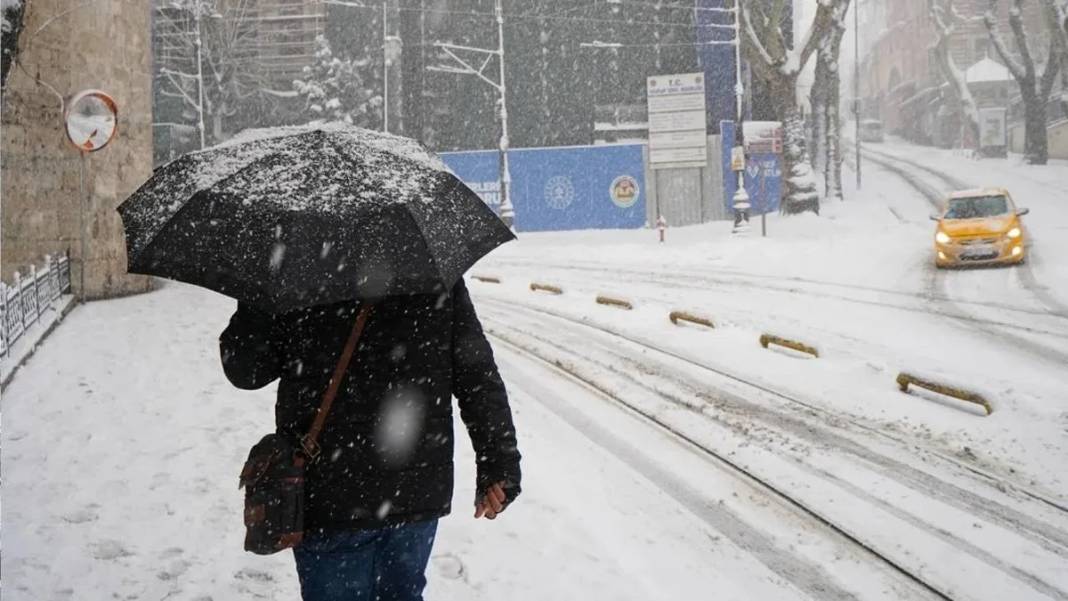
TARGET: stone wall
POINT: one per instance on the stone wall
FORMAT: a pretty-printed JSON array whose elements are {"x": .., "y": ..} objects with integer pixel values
[{"x": 54, "y": 198}]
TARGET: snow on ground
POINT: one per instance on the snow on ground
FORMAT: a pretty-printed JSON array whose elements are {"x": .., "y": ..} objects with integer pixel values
[
  {"x": 857, "y": 282},
  {"x": 1041, "y": 188},
  {"x": 27, "y": 343},
  {"x": 122, "y": 441}
]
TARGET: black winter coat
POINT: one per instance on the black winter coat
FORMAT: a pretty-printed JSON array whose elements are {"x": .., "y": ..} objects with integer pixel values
[{"x": 387, "y": 446}]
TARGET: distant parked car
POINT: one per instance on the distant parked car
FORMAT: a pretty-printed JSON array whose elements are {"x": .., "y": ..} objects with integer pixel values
[
  {"x": 871, "y": 130},
  {"x": 979, "y": 227}
]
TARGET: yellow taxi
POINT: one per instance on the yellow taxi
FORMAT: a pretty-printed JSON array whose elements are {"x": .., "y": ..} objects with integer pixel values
[{"x": 979, "y": 227}]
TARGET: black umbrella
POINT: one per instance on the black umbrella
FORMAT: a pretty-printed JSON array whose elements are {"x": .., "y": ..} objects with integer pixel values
[{"x": 292, "y": 217}]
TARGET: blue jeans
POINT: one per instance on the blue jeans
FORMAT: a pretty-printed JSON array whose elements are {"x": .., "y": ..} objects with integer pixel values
[{"x": 385, "y": 564}]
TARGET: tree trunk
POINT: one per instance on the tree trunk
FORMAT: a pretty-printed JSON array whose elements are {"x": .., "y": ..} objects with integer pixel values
[
  {"x": 800, "y": 192},
  {"x": 1036, "y": 142},
  {"x": 832, "y": 171},
  {"x": 819, "y": 98}
]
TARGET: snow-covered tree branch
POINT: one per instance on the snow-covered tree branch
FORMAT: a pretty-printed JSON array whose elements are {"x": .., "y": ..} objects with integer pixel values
[
  {"x": 1034, "y": 89},
  {"x": 825, "y": 99},
  {"x": 779, "y": 65},
  {"x": 232, "y": 83},
  {"x": 944, "y": 17},
  {"x": 334, "y": 89}
]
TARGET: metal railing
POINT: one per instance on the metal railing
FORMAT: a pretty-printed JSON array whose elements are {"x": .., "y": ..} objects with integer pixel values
[{"x": 27, "y": 299}]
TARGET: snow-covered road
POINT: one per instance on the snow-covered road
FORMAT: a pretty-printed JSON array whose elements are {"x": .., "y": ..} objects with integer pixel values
[
  {"x": 122, "y": 440},
  {"x": 661, "y": 462}
]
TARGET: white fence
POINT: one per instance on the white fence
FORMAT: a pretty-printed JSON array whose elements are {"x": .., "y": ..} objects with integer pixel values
[{"x": 23, "y": 303}]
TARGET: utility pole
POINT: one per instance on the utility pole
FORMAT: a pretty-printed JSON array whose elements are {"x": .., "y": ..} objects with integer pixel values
[
  {"x": 198, "y": 10},
  {"x": 856, "y": 81},
  {"x": 507, "y": 211},
  {"x": 385, "y": 70}
]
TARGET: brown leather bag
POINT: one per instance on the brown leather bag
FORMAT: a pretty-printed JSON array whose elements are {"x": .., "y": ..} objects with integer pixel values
[{"x": 273, "y": 475}]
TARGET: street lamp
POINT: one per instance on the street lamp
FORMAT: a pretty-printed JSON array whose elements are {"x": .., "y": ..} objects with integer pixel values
[
  {"x": 507, "y": 211},
  {"x": 741, "y": 196}
]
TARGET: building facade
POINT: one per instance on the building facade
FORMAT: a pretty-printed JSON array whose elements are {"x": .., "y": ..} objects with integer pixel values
[
  {"x": 55, "y": 199},
  {"x": 903, "y": 86}
]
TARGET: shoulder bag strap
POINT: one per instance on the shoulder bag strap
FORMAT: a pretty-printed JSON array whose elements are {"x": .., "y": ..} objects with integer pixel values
[{"x": 309, "y": 443}]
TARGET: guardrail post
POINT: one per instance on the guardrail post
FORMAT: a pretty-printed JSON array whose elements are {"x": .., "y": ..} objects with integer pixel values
[
  {"x": 677, "y": 316},
  {"x": 31, "y": 285},
  {"x": 768, "y": 339},
  {"x": 614, "y": 302},
  {"x": 535, "y": 286},
  {"x": 3, "y": 319},
  {"x": 905, "y": 379}
]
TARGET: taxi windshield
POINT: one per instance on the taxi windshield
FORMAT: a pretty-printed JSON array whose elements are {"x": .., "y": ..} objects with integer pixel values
[{"x": 977, "y": 207}]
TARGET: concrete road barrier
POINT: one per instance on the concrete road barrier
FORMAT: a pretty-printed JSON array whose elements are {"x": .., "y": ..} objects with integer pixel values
[
  {"x": 801, "y": 347},
  {"x": 535, "y": 287},
  {"x": 614, "y": 302},
  {"x": 904, "y": 379},
  {"x": 489, "y": 279},
  {"x": 677, "y": 316}
]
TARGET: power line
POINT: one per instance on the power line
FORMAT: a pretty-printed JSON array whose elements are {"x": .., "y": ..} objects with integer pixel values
[
  {"x": 610, "y": 45},
  {"x": 660, "y": 6},
  {"x": 512, "y": 18}
]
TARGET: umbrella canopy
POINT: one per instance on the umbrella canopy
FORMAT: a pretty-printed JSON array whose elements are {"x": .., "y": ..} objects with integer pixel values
[{"x": 292, "y": 217}]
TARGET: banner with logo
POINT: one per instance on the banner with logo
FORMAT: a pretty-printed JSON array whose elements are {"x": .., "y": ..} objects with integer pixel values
[{"x": 570, "y": 188}]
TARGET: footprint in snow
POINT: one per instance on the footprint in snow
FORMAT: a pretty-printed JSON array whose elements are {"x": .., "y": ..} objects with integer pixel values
[
  {"x": 81, "y": 516},
  {"x": 449, "y": 567},
  {"x": 174, "y": 570},
  {"x": 171, "y": 552},
  {"x": 254, "y": 575},
  {"x": 108, "y": 550}
]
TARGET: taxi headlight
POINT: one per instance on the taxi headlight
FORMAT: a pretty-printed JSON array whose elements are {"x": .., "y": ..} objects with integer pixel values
[
  {"x": 942, "y": 238},
  {"x": 1014, "y": 233}
]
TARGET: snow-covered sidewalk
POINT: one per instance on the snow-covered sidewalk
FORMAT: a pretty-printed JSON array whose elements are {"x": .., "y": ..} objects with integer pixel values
[{"x": 122, "y": 441}]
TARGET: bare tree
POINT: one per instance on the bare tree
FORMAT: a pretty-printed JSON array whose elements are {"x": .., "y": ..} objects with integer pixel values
[
  {"x": 826, "y": 102},
  {"x": 779, "y": 64},
  {"x": 1057, "y": 14},
  {"x": 945, "y": 18},
  {"x": 212, "y": 65},
  {"x": 1034, "y": 89}
]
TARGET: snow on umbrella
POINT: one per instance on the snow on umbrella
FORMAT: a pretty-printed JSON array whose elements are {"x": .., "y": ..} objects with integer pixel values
[{"x": 292, "y": 217}]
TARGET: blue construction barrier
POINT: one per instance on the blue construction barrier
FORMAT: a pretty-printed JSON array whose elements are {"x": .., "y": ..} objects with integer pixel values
[
  {"x": 763, "y": 176},
  {"x": 570, "y": 188}
]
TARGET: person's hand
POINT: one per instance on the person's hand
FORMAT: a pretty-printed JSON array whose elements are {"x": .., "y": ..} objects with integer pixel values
[{"x": 492, "y": 503}]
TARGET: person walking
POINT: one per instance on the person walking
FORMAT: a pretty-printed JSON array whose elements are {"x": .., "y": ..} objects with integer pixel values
[
  {"x": 385, "y": 472},
  {"x": 345, "y": 250}
]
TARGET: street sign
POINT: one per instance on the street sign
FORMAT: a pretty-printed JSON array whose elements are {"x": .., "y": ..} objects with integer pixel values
[
  {"x": 762, "y": 137},
  {"x": 677, "y": 120},
  {"x": 737, "y": 158}
]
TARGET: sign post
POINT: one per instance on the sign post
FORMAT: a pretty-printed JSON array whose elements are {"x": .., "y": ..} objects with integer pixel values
[{"x": 677, "y": 121}]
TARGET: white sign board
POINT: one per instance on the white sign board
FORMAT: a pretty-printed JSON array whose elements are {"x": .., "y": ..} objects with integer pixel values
[
  {"x": 992, "y": 127},
  {"x": 685, "y": 120},
  {"x": 677, "y": 120}
]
